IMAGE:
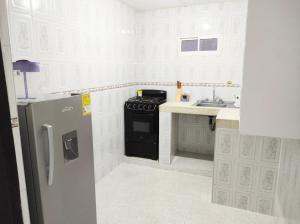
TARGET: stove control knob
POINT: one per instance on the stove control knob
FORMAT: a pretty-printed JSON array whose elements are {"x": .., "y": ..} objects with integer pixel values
[
  {"x": 140, "y": 107},
  {"x": 134, "y": 106},
  {"x": 129, "y": 106},
  {"x": 145, "y": 107},
  {"x": 150, "y": 107}
]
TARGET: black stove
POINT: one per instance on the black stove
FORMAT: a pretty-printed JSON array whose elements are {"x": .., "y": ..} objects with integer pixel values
[
  {"x": 144, "y": 104},
  {"x": 142, "y": 123}
]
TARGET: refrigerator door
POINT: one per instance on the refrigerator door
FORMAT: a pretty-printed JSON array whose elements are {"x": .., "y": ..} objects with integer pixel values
[{"x": 61, "y": 148}]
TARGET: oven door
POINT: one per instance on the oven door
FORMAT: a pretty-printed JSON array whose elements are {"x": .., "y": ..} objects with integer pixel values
[{"x": 141, "y": 126}]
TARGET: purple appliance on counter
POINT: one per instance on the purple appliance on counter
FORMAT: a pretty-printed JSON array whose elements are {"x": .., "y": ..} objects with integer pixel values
[{"x": 26, "y": 66}]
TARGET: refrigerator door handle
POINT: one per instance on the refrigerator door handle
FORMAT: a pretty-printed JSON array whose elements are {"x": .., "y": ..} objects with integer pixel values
[{"x": 49, "y": 129}]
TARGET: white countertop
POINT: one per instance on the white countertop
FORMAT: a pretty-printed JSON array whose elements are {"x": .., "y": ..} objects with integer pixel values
[{"x": 226, "y": 117}]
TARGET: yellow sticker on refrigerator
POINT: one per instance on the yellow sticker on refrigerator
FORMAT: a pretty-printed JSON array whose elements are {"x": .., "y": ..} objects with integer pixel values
[{"x": 86, "y": 104}]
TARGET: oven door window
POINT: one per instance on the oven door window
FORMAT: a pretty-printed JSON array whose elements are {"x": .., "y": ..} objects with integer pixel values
[{"x": 141, "y": 126}]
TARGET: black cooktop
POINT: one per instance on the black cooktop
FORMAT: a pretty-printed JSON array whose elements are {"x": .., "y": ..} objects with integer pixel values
[{"x": 147, "y": 99}]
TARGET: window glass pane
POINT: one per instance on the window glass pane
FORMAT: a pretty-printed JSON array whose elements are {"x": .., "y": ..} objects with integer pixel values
[
  {"x": 189, "y": 45},
  {"x": 209, "y": 44}
]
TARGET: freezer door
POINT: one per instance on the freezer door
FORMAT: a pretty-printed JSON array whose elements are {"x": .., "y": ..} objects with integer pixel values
[{"x": 62, "y": 154}]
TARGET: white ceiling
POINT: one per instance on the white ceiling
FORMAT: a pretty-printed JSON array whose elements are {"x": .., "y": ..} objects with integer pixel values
[{"x": 160, "y": 4}]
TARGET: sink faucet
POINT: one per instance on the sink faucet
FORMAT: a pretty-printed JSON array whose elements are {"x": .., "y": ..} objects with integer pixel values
[{"x": 214, "y": 93}]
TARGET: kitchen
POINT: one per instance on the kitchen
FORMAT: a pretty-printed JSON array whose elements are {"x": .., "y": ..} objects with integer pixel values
[{"x": 215, "y": 120}]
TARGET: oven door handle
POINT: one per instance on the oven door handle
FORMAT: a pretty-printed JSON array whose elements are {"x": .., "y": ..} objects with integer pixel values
[{"x": 150, "y": 114}]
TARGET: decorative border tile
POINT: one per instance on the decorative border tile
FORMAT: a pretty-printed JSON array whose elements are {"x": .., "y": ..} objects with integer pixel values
[
  {"x": 270, "y": 149},
  {"x": 225, "y": 144},
  {"x": 124, "y": 85},
  {"x": 203, "y": 84},
  {"x": 222, "y": 196},
  {"x": 245, "y": 176},
  {"x": 242, "y": 200},
  {"x": 267, "y": 180},
  {"x": 247, "y": 147},
  {"x": 96, "y": 89},
  {"x": 264, "y": 205},
  {"x": 223, "y": 172}
]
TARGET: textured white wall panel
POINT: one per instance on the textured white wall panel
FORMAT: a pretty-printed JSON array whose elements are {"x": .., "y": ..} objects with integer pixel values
[
  {"x": 287, "y": 204},
  {"x": 158, "y": 35},
  {"x": 80, "y": 45},
  {"x": 247, "y": 166}
]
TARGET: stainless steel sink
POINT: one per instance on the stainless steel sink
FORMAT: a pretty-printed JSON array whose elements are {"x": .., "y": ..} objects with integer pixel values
[
  {"x": 209, "y": 103},
  {"x": 215, "y": 102}
]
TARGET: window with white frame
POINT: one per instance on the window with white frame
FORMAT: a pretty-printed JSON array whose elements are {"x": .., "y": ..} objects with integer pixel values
[
  {"x": 190, "y": 45},
  {"x": 196, "y": 45},
  {"x": 208, "y": 44}
]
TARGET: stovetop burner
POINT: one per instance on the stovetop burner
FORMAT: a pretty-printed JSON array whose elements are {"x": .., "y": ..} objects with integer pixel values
[
  {"x": 150, "y": 101},
  {"x": 153, "y": 100}
]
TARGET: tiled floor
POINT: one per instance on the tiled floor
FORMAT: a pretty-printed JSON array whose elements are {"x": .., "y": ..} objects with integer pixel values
[
  {"x": 180, "y": 162},
  {"x": 134, "y": 194}
]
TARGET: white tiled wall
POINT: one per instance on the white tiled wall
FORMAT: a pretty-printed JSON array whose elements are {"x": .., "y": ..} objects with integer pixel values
[
  {"x": 6, "y": 53},
  {"x": 287, "y": 203},
  {"x": 80, "y": 45},
  {"x": 245, "y": 170},
  {"x": 108, "y": 128},
  {"x": 196, "y": 92},
  {"x": 158, "y": 34},
  {"x": 96, "y": 43}
]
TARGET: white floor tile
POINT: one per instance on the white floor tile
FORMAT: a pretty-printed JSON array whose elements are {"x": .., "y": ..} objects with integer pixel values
[
  {"x": 180, "y": 162},
  {"x": 134, "y": 194}
]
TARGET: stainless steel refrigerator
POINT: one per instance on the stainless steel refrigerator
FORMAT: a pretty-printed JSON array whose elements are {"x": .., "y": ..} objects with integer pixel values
[{"x": 57, "y": 149}]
